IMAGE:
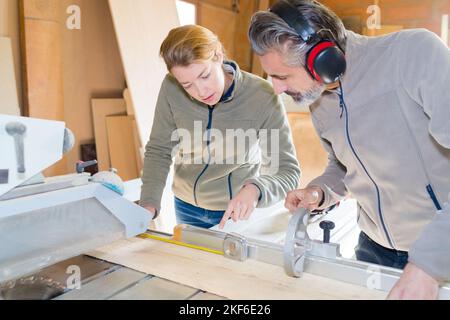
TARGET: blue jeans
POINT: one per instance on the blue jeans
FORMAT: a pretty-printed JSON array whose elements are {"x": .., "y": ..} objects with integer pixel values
[
  {"x": 368, "y": 250},
  {"x": 188, "y": 214}
]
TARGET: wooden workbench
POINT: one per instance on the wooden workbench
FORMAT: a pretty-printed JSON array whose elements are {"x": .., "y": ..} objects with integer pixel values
[{"x": 224, "y": 277}]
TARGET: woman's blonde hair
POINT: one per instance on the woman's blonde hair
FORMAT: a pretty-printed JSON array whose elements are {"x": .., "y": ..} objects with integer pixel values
[{"x": 188, "y": 44}]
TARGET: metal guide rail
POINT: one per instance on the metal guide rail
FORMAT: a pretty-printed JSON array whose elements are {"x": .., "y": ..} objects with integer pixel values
[{"x": 298, "y": 254}]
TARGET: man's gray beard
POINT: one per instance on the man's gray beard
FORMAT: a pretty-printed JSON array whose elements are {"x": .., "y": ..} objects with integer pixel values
[{"x": 308, "y": 98}]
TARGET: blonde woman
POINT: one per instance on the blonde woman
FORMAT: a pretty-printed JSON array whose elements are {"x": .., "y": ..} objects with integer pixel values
[{"x": 207, "y": 104}]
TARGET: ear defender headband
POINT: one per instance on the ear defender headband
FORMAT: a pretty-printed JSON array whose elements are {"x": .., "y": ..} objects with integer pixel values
[{"x": 325, "y": 61}]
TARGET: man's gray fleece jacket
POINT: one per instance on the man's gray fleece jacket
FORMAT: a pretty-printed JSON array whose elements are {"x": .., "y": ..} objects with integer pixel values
[{"x": 389, "y": 143}]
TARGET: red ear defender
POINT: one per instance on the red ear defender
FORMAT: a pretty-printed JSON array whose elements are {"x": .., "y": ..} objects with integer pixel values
[
  {"x": 325, "y": 61},
  {"x": 313, "y": 54}
]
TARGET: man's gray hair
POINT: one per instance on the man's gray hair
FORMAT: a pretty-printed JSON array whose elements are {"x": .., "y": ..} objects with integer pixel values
[{"x": 269, "y": 32}]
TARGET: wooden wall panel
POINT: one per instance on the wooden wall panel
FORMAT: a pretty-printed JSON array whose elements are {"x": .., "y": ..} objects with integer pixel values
[
  {"x": 65, "y": 68},
  {"x": 243, "y": 51},
  {"x": 256, "y": 64},
  {"x": 405, "y": 13},
  {"x": 226, "y": 4},
  {"x": 312, "y": 156},
  {"x": 92, "y": 68},
  {"x": 222, "y": 21},
  {"x": 230, "y": 20},
  {"x": 42, "y": 65},
  {"x": 102, "y": 108}
]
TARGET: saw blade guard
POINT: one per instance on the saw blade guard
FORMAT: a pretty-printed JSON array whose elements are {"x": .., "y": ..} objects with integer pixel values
[{"x": 41, "y": 230}]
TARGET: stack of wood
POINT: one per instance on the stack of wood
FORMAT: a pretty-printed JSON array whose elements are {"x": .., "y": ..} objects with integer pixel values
[{"x": 117, "y": 137}]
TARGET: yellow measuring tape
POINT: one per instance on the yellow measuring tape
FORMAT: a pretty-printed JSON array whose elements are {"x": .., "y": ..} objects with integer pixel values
[{"x": 150, "y": 236}]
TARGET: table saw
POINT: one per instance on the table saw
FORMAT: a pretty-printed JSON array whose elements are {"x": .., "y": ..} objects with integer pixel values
[{"x": 78, "y": 237}]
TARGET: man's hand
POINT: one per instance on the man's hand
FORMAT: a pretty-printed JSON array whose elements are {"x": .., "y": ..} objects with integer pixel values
[
  {"x": 308, "y": 198},
  {"x": 241, "y": 206},
  {"x": 414, "y": 284}
]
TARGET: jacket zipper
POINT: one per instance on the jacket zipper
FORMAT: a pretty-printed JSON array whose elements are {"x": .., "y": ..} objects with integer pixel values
[
  {"x": 433, "y": 197},
  {"x": 380, "y": 213},
  {"x": 230, "y": 189},
  {"x": 208, "y": 142}
]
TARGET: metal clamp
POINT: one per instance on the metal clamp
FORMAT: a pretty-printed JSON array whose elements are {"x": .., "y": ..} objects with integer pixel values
[
  {"x": 298, "y": 246},
  {"x": 235, "y": 247},
  {"x": 297, "y": 243}
]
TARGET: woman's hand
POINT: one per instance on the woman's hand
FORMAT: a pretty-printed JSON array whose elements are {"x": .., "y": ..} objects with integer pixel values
[
  {"x": 241, "y": 206},
  {"x": 151, "y": 210}
]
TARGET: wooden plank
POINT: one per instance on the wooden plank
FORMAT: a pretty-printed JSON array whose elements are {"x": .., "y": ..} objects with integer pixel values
[
  {"x": 207, "y": 296},
  {"x": 224, "y": 277},
  {"x": 43, "y": 59},
  {"x": 42, "y": 9},
  {"x": 102, "y": 108},
  {"x": 137, "y": 140},
  {"x": 129, "y": 102},
  {"x": 105, "y": 286},
  {"x": 156, "y": 289},
  {"x": 121, "y": 146},
  {"x": 42, "y": 65},
  {"x": 134, "y": 21},
  {"x": 139, "y": 153},
  {"x": 44, "y": 98},
  {"x": 8, "y": 91}
]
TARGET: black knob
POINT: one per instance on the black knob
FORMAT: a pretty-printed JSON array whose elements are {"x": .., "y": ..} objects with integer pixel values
[
  {"x": 80, "y": 165},
  {"x": 326, "y": 226}
]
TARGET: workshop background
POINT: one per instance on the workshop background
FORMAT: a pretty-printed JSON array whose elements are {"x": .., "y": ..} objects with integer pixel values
[
  {"x": 95, "y": 65},
  {"x": 87, "y": 62}
]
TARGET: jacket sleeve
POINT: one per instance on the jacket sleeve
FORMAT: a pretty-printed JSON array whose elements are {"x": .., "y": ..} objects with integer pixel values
[
  {"x": 431, "y": 252},
  {"x": 158, "y": 152},
  {"x": 332, "y": 180},
  {"x": 424, "y": 67},
  {"x": 280, "y": 172}
]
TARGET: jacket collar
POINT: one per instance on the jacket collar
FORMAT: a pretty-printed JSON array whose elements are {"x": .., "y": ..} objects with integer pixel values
[
  {"x": 355, "y": 53},
  {"x": 231, "y": 66}
]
